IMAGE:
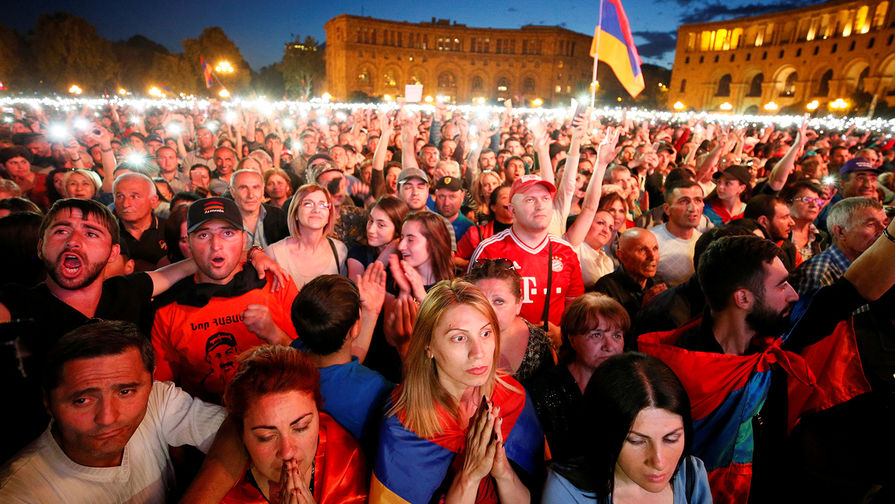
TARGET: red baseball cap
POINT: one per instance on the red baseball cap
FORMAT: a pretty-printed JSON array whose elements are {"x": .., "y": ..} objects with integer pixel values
[{"x": 522, "y": 184}]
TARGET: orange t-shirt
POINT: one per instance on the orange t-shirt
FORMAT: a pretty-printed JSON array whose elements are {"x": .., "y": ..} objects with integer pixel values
[{"x": 197, "y": 347}]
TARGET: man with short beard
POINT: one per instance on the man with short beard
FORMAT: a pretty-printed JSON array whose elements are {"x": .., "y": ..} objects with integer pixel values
[
  {"x": 169, "y": 169},
  {"x": 204, "y": 153},
  {"x": 750, "y": 365}
]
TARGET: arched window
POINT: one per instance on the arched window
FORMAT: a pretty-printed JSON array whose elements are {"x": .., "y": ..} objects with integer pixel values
[
  {"x": 683, "y": 86},
  {"x": 723, "y": 86},
  {"x": 363, "y": 77},
  {"x": 447, "y": 80},
  {"x": 415, "y": 78},
  {"x": 477, "y": 83},
  {"x": 390, "y": 79},
  {"x": 823, "y": 87},
  {"x": 789, "y": 87},
  {"x": 864, "y": 74},
  {"x": 755, "y": 85},
  {"x": 528, "y": 85},
  {"x": 503, "y": 85}
]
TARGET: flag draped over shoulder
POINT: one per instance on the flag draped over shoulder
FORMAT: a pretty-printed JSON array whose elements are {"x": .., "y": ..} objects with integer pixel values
[
  {"x": 613, "y": 40},
  {"x": 727, "y": 391},
  {"x": 206, "y": 73},
  {"x": 411, "y": 469}
]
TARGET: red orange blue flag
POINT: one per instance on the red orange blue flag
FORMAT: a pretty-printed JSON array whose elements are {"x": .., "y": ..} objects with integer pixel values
[
  {"x": 206, "y": 73},
  {"x": 614, "y": 45}
]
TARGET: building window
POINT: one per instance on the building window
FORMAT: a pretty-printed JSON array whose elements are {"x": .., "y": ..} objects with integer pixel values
[
  {"x": 447, "y": 80},
  {"x": 798, "y": 52},
  {"x": 716, "y": 58},
  {"x": 477, "y": 84},
  {"x": 789, "y": 87},
  {"x": 823, "y": 87},
  {"x": 389, "y": 79},
  {"x": 851, "y": 47},
  {"x": 764, "y": 55},
  {"x": 864, "y": 74},
  {"x": 755, "y": 86},
  {"x": 870, "y": 43},
  {"x": 723, "y": 86},
  {"x": 363, "y": 77},
  {"x": 732, "y": 57},
  {"x": 781, "y": 55},
  {"x": 683, "y": 85},
  {"x": 889, "y": 40},
  {"x": 528, "y": 85},
  {"x": 503, "y": 85},
  {"x": 833, "y": 49},
  {"x": 748, "y": 56},
  {"x": 816, "y": 50},
  {"x": 687, "y": 60},
  {"x": 701, "y": 59}
]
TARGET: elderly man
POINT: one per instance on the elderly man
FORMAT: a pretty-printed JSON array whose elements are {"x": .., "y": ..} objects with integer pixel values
[
  {"x": 112, "y": 424},
  {"x": 854, "y": 223},
  {"x": 222, "y": 311},
  {"x": 635, "y": 282},
  {"x": 551, "y": 273},
  {"x": 264, "y": 224},
  {"x": 141, "y": 229},
  {"x": 857, "y": 177},
  {"x": 677, "y": 237}
]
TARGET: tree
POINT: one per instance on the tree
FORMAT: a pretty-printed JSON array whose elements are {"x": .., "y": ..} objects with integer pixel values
[
  {"x": 173, "y": 71},
  {"x": 68, "y": 50},
  {"x": 214, "y": 45},
  {"x": 136, "y": 57},
  {"x": 303, "y": 67},
  {"x": 269, "y": 81},
  {"x": 12, "y": 70}
]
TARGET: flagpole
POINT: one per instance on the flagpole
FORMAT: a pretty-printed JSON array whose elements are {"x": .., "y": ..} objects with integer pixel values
[{"x": 593, "y": 80}]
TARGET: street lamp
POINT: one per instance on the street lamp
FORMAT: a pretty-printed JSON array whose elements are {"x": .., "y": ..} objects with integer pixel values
[
  {"x": 224, "y": 67},
  {"x": 75, "y": 89},
  {"x": 726, "y": 106},
  {"x": 771, "y": 106},
  {"x": 537, "y": 102},
  {"x": 812, "y": 105},
  {"x": 155, "y": 91},
  {"x": 223, "y": 93},
  {"x": 679, "y": 106}
]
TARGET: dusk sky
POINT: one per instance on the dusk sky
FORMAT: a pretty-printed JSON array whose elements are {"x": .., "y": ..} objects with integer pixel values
[{"x": 260, "y": 28}]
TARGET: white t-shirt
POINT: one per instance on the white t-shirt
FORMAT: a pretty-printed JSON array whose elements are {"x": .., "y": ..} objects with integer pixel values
[
  {"x": 43, "y": 473},
  {"x": 675, "y": 255},
  {"x": 594, "y": 263}
]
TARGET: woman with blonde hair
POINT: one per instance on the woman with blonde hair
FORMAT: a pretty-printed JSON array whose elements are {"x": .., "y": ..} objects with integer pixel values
[
  {"x": 479, "y": 196},
  {"x": 309, "y": 251},
  {"x": 455, "y": 415},
  {"x": 80, "y": 183}
]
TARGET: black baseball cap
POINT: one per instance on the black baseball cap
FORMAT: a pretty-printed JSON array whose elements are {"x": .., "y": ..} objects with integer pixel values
[
  {"x": 448, "y": 182},
  {"x": 209, "y": 209}
]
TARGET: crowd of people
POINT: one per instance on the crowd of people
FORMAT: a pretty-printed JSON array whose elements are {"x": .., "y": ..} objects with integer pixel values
[{"x": 438, "y": 304}]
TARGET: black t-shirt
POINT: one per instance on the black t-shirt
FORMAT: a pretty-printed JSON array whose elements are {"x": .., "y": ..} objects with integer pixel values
[
  {"x": 150, "y": 248},
  {"x": 38, "y": 320}
]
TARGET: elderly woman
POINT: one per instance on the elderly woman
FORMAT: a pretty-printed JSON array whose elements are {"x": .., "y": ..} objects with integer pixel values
[
  {"x": 277, "y": 187},
  {"x": 456, "y": 423},
  {"x": 525, "y": 349},
  {"x": 296, "y": 452},
  {"x": 309, "y": 251},
  {"x": 82, "y": 184},
  {"x": 636, "y": 444},
  {"x": 593, "y": 330}
]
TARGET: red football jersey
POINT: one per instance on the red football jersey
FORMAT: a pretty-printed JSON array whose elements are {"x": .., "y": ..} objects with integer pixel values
[{"x": 531, "y": 263}]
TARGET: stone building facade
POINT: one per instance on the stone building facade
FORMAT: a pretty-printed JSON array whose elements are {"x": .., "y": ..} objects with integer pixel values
[
  {"x": 793, "y": 58},
  {"x": 379, "y": 57}
]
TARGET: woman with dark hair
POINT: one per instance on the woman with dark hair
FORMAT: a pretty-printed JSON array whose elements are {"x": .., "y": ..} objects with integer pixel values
[
  {"x": 296, "y": 452},
  {"x": 383, "y": 233},
  {"x": 525, "y": 349},
  {"x": 500, "y": 219},
  {"x": 175, "y": 232},
  {"x": 455, "y": 422},
  {"x": 728, "y": 201},
  {"x": 425, "y": 255},
  {"x": 593, "y": 330},
  {"x": 636, "y": 444}
]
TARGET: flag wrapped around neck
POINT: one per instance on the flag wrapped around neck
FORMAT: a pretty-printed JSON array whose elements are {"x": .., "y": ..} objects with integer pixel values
[{"x": 614, "y": 45}]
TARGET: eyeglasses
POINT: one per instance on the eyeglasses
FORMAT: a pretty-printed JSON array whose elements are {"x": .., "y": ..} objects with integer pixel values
[
  {"x": 499, "y": 261},
  {"x": 309, "y": 204},
  {"x": 810, "y": 200}
]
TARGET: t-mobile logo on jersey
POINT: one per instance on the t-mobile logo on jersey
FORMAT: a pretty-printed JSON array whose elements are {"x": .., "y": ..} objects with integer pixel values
[{"x": 529, "y": 289}]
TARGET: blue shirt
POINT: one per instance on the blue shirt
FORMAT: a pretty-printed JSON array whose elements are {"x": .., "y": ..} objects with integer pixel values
[{"x": 461, "y": 225}]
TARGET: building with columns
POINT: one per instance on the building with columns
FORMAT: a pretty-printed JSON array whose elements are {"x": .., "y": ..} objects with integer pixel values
[
  {"x": 378, "y": 57},
  {"x": 824, "y": 52}
]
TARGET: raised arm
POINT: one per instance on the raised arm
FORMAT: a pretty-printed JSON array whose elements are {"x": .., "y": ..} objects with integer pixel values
[
  {"x": 409, "y": 128},
  {"x": 785, "y": 166},
  {"x": 873, "y": 272},
  {"x": 606, "y": 153}
]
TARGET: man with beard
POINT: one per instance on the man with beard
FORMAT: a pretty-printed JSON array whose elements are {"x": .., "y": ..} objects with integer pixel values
[
  {"x": 78, "y": 238},
  {"x": 772, "y": 214},
  {"x": 738, "y": 359},
  {"x": 224, "y": 297}
]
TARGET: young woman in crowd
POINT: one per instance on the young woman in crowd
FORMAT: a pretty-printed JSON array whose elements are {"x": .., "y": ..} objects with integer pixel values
[
  {"x": 456, "y": 423},
  {"x": 425, "y": 255},
  {"x": 383, "y": 234},
  {"x": 636, "y": 444},
  {"x": 480, "y": 196},
  {"x": 82, "y": 184},
  {"x": 297, "y": 453},
  {"x": 277, "y": 187},
  {"x": 309, "y": 251},
  {"x": 593, "y": 330},
  {"x": 525, "y": 349},
  {"x": 728, "y": 200}
]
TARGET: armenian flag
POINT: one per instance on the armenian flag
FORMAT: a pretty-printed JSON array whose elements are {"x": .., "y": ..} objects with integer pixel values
[
  {"x": 614, "y": 45},
  {"x": 206, "y": 72}
]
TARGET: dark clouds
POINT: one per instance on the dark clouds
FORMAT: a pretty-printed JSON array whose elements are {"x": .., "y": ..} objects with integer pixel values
[
  {"x": 657, "y": 43},
  {"x": 696, "y": 13}
]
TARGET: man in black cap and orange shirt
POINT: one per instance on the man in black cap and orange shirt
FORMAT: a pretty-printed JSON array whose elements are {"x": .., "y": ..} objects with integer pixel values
[{"x": 225, "y": 295}]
